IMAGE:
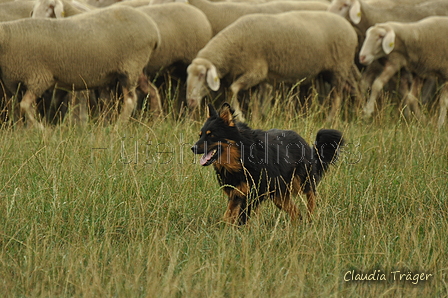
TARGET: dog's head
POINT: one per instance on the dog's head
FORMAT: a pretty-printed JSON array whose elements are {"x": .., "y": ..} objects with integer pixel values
[{"x": 217, "y": 137}]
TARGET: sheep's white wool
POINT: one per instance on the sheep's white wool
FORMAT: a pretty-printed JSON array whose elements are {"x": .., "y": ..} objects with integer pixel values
[{"x": 89, "y": 50}]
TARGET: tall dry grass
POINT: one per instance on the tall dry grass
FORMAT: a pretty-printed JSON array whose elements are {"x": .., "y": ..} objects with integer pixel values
[{"x": 103, "y": 211}]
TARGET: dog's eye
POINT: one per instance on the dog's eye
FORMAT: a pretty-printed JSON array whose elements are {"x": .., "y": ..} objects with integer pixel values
[
  {"x": 200, "y": 133},
  {"x": 210, "y": 134}
]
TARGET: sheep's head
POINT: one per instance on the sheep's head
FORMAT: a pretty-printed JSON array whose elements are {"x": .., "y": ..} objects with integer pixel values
[
  {"x": 201, "y": 73},
  {"x": 349, "y": 9},
  {"x": 379, "y": 42},
  {"x": 48, "y": 9}
]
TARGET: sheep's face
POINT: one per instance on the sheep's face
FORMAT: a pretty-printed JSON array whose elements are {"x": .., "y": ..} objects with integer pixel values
[
  {"x": 196, "y": 88},
  {"x": 379, "y": 42},
  {"x": 200, "y": 75},
  {"x": 339, "y": 7},
  {"x": 48, "y": 9},
  {"x": 350, "y": 9}
]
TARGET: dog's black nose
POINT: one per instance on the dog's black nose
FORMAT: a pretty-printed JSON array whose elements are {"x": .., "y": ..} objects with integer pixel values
[{"x": 194, "y": 149}]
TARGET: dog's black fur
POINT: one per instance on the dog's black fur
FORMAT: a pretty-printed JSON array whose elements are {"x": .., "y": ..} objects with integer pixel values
[{"x": 254, "y": 165}]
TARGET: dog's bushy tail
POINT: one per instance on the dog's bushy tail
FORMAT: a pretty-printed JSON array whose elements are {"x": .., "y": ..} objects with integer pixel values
[{"x": 326, "y": 149}]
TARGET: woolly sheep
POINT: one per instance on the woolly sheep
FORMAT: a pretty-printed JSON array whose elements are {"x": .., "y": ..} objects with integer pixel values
[
  {"x": 66, "y": 8},
  {"x": 418, "y": 45},
  {"x": 105, "y": 3},
  {"x": 184, "y": 30},
  {"x": 89, "y": 50},
  {"x": 101, "y": 3},
  {"x": 166, "y": 19},
  {"x": 364, "y": 14},
  {"x": 11, "y": 11},
  {"x": 264, "y": 1},
  {"x": 288, "y": 46},
  {"x": 134, "y": 3},
  {"x": 222, "y": 14},
  {"x": 60, "y": 99},
  {"x": 57, "y": 8}
]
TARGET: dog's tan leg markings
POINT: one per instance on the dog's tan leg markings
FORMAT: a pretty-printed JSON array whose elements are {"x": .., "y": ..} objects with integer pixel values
[
  {"x": 296, "y": 185},
  {"x": 232, "y": 212},
  {"x": 311, "y": 205},
  {"x": 236, "y": 195},
  {"x": 285, "y": 203}
]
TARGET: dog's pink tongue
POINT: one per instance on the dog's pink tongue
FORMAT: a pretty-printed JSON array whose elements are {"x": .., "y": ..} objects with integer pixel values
[{"x": 205, "y": 158}]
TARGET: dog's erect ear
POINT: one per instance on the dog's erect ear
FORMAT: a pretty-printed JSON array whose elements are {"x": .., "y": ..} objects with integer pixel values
[
  {"x": 211, "y": 112},
  {"x": 226, "y": 114}
]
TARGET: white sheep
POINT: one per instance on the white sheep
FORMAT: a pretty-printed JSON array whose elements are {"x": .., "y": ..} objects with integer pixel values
[
  {"x": 418, "y": 45},
  {"x": 65, "y": 8},
  {"x": 365, "y": 14},
  {"x": 288, "y": 47},
  {"x": 222, "y": 14},
  {"x": 10, "y": 11},
  {"x": 101, "y": 3},
  {"x": 79, "y": 100},
  {"x": 57, "y": 8},
  {"x": 89, "y": 50},
  {"x": 134, "y": 3},
  {"x": 184, "y": 30}
]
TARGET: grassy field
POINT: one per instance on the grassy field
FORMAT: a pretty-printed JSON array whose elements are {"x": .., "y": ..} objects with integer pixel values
[{"x": 101, "y": 211}]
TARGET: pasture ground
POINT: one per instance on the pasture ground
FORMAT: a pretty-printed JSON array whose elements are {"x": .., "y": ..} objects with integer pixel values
[{"x": 101, "y": 211}]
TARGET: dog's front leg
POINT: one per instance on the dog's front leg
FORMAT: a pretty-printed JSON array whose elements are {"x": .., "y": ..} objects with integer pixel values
[
  {"x": 285, "y": 203},
  {"x": 232, "y": 214},
  {"x": 311, "y": 203},
  {"x": 237, "y": 212}
]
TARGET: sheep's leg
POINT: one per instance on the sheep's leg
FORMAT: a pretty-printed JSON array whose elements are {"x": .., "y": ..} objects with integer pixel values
[
  {"x": 428, "y": 89},
  {"x": 335, "y": 104},
  {"x": 356, "y": 82},
  {"x": 377, "y": 86},
  {"x": 235, "y": 103},
  {"x": 266, "y": 95},
  {"x": 129, "y": 103},
  {"x": 79, "y": 106},
  {"x": 26, "y": 105},
  {"x": 148, "y": 88},
  {"x": 244, "y": 82},
  {"x": 411, "y": 100},
  {"x": 338, "y": 81},
  {"x": 156, "y": 103},
  {"x": 443, "y": 101},
  {"x": 369, "y": 74}
]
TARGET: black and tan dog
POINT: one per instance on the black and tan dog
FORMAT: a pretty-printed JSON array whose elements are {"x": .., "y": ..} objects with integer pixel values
[{"x": 254, "y": 165}]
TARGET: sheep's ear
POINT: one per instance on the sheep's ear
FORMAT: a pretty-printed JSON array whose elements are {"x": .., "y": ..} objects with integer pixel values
[
  {"x": 59, "y": 10},
  {"x": 212, "y": 78},
  {"x": 388, "y": 41},
  {"x": 226, "y": 114},
  {"x": 355, "y": 12},
  {"x": 211, "y": 111}
]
